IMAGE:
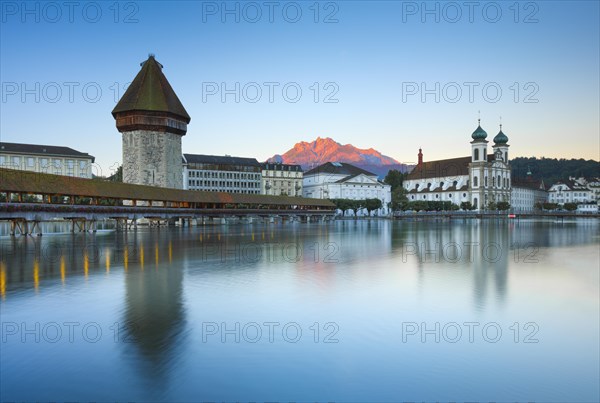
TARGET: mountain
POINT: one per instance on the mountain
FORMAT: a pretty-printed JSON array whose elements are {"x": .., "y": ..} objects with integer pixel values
[{"x": 322, "y": 150}]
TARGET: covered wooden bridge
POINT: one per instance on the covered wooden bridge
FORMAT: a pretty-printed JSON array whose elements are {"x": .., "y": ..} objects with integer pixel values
[{"x": 28, "y": 198}]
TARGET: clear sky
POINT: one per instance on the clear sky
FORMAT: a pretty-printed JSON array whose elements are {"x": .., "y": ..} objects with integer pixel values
[{"x": 384, "y": 62}]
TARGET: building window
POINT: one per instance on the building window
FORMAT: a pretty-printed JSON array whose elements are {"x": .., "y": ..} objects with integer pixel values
[
  {"x": 476, "y": 155},
  {"x": 30, "y": 162},
  {"x": 475, "y": 181}
]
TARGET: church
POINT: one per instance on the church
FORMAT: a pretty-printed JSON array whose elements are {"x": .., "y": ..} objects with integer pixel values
[{"x": 480, "y": 178}]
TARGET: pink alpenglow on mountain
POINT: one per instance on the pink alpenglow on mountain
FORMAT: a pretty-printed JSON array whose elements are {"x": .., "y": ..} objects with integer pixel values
[{"x": 322, "y": 150}]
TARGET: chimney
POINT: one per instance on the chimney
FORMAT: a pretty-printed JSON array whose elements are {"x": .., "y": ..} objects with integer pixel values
[{"x": 420, "y": 157}]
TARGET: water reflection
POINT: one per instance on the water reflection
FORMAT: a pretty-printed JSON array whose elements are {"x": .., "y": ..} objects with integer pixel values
[
  {"x": 153, "y": 321},
  {"x": 368, "y": 276}
]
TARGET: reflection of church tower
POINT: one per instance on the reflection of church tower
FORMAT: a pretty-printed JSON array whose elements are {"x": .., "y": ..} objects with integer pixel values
[{"x": 152, "y": 120}]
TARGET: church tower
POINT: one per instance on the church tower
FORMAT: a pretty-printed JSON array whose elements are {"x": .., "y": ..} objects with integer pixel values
[
  {"x": 477, "y": 168},
  {"x": 152, "y": 121}
]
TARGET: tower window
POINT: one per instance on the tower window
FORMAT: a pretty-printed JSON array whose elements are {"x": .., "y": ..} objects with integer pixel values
[
  {"x": 476, "y": 155},
  {"x": 475, "y": 181}
]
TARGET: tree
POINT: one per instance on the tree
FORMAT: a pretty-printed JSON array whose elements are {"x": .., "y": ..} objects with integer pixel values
[
  {"x": 372, "y": 204},
  {"x": 399, "y": 198},
  {"x": 395, "y": 179},
  {"x": 503, "y": 206},
  {"x": 342, "y": 204},
  {"x": 356, "y": 205},
  {"x": 570, "y": 206},
  {"x": 466, "y": 206},
  {"x": 550, "y": 206},
  {"x": 539, "y": 205},
  {"x": 492, "y": 206}
]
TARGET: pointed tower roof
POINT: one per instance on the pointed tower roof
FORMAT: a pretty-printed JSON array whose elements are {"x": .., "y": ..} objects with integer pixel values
[{"x": 150, "y": 91}]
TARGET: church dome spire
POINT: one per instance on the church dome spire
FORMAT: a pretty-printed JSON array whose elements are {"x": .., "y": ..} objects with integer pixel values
[
  {"x": 479, "y": 133},
  {"x": 501, "y": 138}
]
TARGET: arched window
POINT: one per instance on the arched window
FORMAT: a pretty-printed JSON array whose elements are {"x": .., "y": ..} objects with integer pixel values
[
  {"x": 499, "y": 181},
  {"x": 475, "y": 181},
  {"x": 493, "y": 182},
  {"x": 437, "y": 196},
  {"x": 476, "y": 156},
  {"x": 475, "y": 203},
  {"x": 429, "y": 185},
  {"x": 485, "y": 181},
  {"x": 455, "y": 183},
  {"x": 506, "y": 156}
]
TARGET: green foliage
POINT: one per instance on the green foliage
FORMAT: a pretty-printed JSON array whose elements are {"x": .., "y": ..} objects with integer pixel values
[
  {"x": 503, "y": 206},
  {"x": 570, "y": 206},
  {"x": 492, "y": 206},
  {"x": 424, "y": 205},
  {"x": 399, "y": 199},
  {"x": 467, "y": 206},
  {"x": 552, "y": 170},
  {"x": 395, "y": 179},
  {"x": 550, "y": 206},
  {"x": 372, "y": 205},
  {"x": 342, "y": 204},
  {"x": 356, "y": 206}
]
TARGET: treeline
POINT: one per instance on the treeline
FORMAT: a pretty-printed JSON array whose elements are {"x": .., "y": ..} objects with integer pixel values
[
  {"x": 357, "y": 205},
  {"x": 427, "y": 205},
  {"x": 551, "y": 170}
]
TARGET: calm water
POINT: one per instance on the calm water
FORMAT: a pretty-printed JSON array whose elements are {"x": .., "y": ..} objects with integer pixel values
[{"x": 345, "y": 311}]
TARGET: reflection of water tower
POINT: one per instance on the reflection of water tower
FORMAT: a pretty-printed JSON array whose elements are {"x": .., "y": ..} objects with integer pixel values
[
  {"x": 154, "y": 315},
  {"x": 153, "y": 121}
]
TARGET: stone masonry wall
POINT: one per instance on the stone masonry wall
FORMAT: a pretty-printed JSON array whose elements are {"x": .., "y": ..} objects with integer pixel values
[{"x": 152, "y": 158}]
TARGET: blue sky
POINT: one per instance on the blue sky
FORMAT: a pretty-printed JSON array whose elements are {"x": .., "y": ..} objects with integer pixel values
[{"x": 374, "y": 58}]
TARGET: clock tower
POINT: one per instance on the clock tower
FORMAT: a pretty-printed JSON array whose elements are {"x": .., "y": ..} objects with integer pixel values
[{"x": 152, "y": 121}]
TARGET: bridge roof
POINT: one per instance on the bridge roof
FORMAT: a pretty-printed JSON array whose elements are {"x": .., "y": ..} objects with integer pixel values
[{"x": 40, "y": 183}]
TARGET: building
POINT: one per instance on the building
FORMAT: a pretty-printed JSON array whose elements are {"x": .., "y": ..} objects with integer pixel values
[
  {"x": 152, "y": 121},
  {"x": 480, "y": 178},
  {"x": 55, "y": 160},
  {"x": 338, "y": 180},
  {"x": 526, "y": 193},
  {"x": 281, "y": 179},
  {"x": 575, "y": 190},
  {"x": 221, "y": 173}
]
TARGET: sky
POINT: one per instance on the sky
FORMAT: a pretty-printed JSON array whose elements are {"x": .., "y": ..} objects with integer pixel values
[{"x": 258, "y": 77}]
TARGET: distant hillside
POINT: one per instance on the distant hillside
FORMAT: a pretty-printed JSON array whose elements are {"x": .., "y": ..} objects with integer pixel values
[
  {"x": 322, "y": 150},
  {"x": 551, "y": 169}
]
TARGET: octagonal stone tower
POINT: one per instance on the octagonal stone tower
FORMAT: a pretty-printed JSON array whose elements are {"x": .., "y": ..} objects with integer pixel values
[{"x": 152, "y": 120}]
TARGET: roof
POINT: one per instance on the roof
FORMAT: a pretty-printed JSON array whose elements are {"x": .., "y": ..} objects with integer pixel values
[
  {"x": 443, "y": 168},
  {"x": 40, "y": 149},
  {"x": 274, "y": 166},
  {"x": 150, "y": 91},
  {"x": 219, "y": 160},
  {"x": 38, "y": 183},
  {"x": 528, "y": 183},
  {"x": 338, "y": 168}
]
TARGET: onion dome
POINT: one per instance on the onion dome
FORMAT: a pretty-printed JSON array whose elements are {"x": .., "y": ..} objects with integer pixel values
[
  {"x": 501, "y": 138},
  {"x": 479, "y": 133}
]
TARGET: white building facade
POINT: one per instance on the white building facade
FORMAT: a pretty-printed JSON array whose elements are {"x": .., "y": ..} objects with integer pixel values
[
  {"x": 480, "y": 179},
  {"x": 575, "y": 190},
  {"x": 54, "y": 160},
  {"x": 526, "y": 194},
  {"x": 338, "y": 180},
  {"x": 281, "y": 179},
  {"x": 221, "y": 173}
]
